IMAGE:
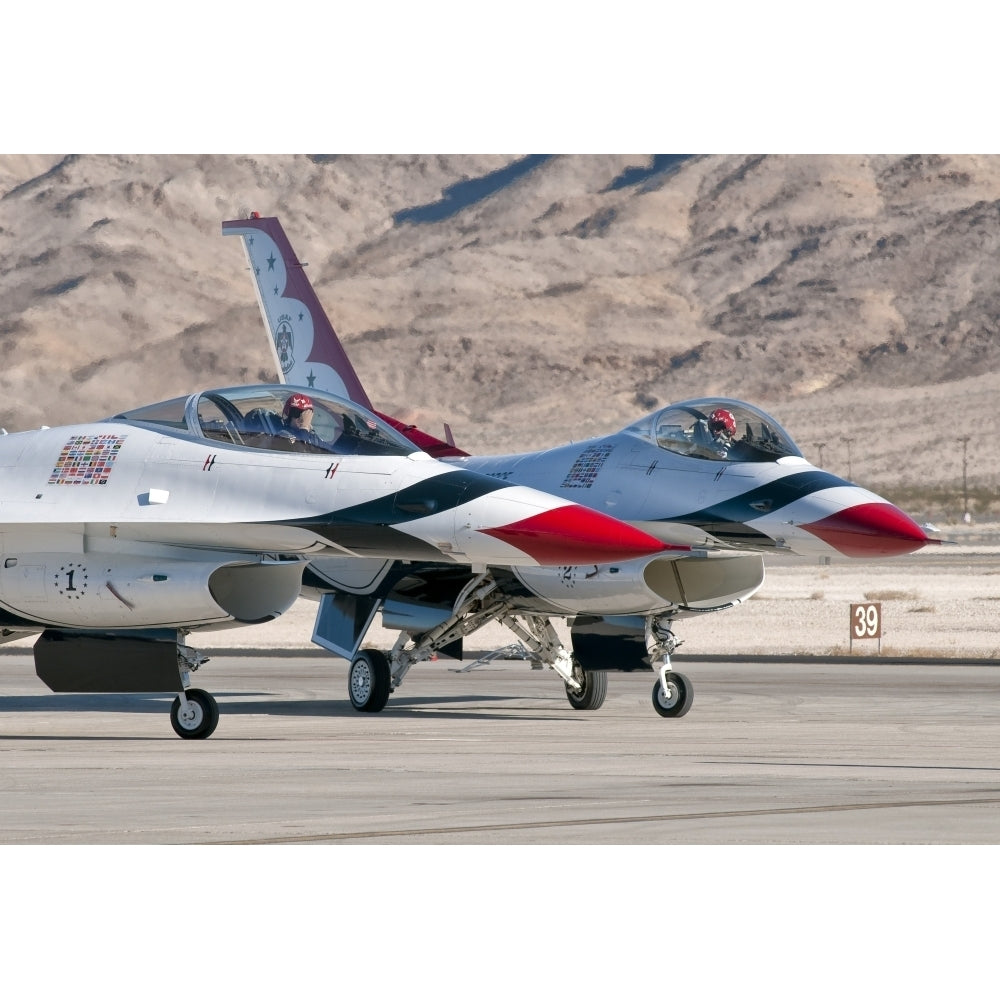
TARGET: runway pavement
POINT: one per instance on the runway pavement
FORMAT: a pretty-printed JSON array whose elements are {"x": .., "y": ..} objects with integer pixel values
[{"x": 775, "y": 753}]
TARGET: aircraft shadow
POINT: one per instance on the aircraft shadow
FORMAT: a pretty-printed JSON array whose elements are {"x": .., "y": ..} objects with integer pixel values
[{"x": 239, "y": 703}]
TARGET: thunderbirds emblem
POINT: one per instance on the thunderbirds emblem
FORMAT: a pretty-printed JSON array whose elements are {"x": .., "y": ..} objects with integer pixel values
[{"x": 284, "y": 342}]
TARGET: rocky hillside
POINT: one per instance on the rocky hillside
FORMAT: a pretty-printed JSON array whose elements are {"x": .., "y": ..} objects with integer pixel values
[{"x": 531, "y": 300}]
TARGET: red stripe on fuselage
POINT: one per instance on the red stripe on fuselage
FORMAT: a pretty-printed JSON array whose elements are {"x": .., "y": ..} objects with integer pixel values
[{"x": 565, "y": 534}]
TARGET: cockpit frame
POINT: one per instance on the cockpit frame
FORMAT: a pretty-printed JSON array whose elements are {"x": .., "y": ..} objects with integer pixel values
[
  {"x": 251, "y": 417},
  {"x": 686, "y": 429}
]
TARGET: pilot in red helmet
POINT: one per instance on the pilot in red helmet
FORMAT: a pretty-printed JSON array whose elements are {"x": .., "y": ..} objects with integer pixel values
[
  {"x": 722, "y": 425},
  {"x": 297, "y": 416},
  {"x": 722, "y": 428},
  {"x": 297, "y": 404}
]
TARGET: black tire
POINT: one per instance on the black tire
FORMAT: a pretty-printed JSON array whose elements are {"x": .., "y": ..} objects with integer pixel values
[
  {"x": 677, "y": 700},
  {"x": 595, "y": 690},
  {"x": 199, "y": 722},
  {"x": 369, "y": 681}
]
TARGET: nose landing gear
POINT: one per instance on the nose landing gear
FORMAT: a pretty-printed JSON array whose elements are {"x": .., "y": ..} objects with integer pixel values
[
  {"x": 194, "y": 713},
  {"x": 673, "y": 694}
]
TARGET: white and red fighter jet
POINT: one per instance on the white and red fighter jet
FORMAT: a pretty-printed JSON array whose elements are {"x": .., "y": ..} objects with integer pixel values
[
  {"x": 123, "y": 536},
  {"x": 718, "y": 477}
]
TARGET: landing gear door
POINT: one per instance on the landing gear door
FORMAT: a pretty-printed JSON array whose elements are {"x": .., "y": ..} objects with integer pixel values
[{"x": 343, "y": 621}]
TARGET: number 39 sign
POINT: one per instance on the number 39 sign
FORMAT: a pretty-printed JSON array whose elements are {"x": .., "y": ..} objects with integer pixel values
[{"x": 866, "y": 622}]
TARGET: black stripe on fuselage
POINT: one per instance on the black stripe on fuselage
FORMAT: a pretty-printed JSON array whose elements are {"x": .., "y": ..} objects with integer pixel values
[
  {"x": 430, "y": 496},
  {"x": 369, "y": 528},
  {"x": 377, "y": 540},
  {"x": 727, "y": 519}
]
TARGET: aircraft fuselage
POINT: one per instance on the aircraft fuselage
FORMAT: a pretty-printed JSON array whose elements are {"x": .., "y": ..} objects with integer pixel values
[
  {"x": 127, "y": 523},
  {"x": 762, "y": 496}
]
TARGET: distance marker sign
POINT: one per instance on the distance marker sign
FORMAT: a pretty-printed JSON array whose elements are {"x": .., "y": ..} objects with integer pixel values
[{"x": 866, "y": 622}]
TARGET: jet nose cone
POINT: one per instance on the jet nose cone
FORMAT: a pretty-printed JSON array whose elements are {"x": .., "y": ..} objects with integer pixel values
[
  {"x": 573, "y": 535},
  {"x": 868, "y": 530}
]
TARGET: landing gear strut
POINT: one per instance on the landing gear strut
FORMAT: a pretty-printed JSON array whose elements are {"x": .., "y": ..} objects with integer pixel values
[
  {"x": 374, "y": 675},
  {"x": 585, "y": 689},
  {"x": 673, "y": 694}
]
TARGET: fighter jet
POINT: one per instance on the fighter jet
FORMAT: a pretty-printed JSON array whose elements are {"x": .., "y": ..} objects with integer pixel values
[
  {"x": 718, "y": 476},
  {"x": 123, "y": 536}
]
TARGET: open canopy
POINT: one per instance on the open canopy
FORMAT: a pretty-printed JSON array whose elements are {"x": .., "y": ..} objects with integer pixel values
[
  {"x": 254, "y": 416},
  {"x": 717, "y": 429}
]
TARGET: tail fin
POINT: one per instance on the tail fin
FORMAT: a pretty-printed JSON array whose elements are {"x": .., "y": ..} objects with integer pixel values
[{"x": 305, "y": 346}]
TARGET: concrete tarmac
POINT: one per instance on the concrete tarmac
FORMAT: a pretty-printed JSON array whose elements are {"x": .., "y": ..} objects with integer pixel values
[{"x": 775, "y": 753}]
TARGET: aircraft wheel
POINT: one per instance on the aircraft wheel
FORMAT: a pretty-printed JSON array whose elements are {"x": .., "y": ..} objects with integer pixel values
[
  {"x": 199, "y": 720},
  {"x": 369, "y": 681},
  {"x": 676, "y": 700},
  {"x": 595, "y": 690}
]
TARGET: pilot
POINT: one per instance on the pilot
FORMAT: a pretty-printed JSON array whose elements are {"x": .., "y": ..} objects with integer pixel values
[
  {"x": 722, "y": 427},
  {"x": 296, "y": 419}
]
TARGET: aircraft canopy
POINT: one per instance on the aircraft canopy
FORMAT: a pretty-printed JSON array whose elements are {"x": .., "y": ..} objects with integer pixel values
[
  {"x": 251, "y": 416},
  {"x": 719, "y": 430}
]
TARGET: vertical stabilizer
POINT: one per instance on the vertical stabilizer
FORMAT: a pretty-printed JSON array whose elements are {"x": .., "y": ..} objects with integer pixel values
[
  {"x": 306, "y": 348},
  {"x": 304, "y": 344}
]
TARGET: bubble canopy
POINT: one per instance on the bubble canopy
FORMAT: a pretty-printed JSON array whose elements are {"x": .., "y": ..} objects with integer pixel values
[
  {"x": 717, "y": 429},
  {"x": 252, "y": 416}
]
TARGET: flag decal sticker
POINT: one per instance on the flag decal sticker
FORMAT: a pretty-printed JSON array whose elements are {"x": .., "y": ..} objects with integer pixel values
[{"x": 87, "y": 460}]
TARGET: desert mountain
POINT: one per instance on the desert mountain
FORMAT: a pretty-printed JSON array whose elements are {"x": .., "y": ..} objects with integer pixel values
[{"x": 534, "y": 300}]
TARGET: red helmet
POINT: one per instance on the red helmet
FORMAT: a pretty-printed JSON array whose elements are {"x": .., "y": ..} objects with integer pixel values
[
  {"x": 297, "y": 401},
  {"x": 722, "y": 420}
]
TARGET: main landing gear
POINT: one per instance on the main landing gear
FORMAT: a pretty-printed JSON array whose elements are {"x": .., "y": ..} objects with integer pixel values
[
  {"x": 374, "y": 675},
  {"x": 593, "y": 689},
  {"x": 585, "y": 689}
]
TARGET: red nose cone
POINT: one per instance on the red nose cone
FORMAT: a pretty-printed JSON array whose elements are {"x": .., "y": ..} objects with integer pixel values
[
  {"x": 574, "y": 535},
  {"x": 870, "y": 529}
]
